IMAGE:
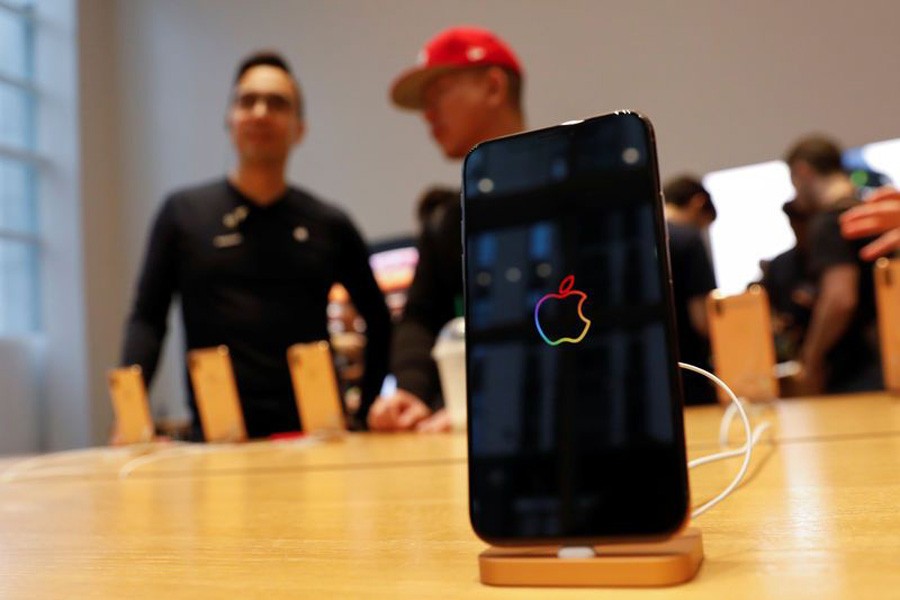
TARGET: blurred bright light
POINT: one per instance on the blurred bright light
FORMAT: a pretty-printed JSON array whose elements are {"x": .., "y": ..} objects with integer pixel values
[
  {"x": 884, "y": 157},
  {"x": 750, "y": 226}
]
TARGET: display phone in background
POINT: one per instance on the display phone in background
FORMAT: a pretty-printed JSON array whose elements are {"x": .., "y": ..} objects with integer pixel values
[
  {"x": 216, "y": 395},
  {"x": 743, "y": 349},
  {"x": 316, "y": 388},
  {"x": 574, "y": 394},
  {"x": 887, "y": 300},
  {"x": 134, "y": 425}
]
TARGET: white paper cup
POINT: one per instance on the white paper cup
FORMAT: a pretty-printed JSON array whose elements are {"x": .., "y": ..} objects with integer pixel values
[{"x": 450, "y": 355}]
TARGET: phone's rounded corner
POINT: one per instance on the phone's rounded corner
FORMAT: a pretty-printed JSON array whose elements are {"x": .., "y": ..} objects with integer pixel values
[
  {"x": 683, "y": 519},
  {"x": 474, "y": 150},
  {"x": 641, "y": 118},
  {"x": 491, "y": 540},
  {"x": 488, "y": 539},
  {"x": 638, "y": 114}
]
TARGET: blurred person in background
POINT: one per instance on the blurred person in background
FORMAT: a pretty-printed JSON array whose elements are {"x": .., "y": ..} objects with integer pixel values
[
  {"x": 433, "y": 204},
  {"x": 791, "y": 293},
  {"x": 253, "y": 258},
  {"x": 689, "y": 213},
  {"x": 467, "y": 86},
  {"x": 840, "y": 350}
]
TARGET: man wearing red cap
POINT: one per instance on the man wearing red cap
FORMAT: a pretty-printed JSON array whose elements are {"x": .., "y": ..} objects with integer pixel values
[{"x": 467, "y": 85}]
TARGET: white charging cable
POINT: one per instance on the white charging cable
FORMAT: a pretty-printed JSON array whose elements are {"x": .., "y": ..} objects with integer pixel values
[
  {"x": 54, "y": 465},
  {"x": 752, "y": 437}
]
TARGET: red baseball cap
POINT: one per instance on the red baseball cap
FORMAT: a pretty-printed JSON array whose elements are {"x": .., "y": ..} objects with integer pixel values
[{"x": 455, "y": 48}]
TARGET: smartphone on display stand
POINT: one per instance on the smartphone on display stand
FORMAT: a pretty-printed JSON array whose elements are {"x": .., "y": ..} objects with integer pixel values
[
  {"x": 316, "y": 388},
  {"x": 134, "y": 425},
  {"x": 740, "y": 335},
  {"x": 887, "y": 301},
  {"x": 216, "y": 394},
  {"x": 574, "y": 393}
]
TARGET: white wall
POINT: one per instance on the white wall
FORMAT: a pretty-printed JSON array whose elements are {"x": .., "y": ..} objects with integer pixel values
[
  {"x": 102, "y": 204},
  {"x": 726, "y": 83},
  {"x": 20, "y": 358}
]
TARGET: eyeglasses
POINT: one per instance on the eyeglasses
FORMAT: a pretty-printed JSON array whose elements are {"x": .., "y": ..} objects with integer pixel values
[{"x": 274, "y": 103}]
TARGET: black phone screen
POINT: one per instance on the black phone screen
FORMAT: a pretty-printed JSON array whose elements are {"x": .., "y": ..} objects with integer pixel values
[{"x": 574, "y": 396}]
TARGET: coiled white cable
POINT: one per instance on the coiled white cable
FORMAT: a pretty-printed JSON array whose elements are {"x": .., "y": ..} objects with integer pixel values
[{"x": 752, "y": 437}]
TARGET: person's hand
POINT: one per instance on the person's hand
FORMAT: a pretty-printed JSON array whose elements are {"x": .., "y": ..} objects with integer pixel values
[
  {"x": 880, "y": 214},
  {"x": 401, "y": 411},
  {"x": 439, "y": 422}
]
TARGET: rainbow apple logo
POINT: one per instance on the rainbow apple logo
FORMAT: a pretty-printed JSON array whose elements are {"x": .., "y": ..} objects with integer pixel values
[{"x": 565, "y": 291}]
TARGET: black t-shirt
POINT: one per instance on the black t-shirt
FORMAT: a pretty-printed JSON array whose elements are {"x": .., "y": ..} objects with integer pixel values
[
  {"x": 692, "y": 276},
  {"x": 854, "y": 357},
  {"x": 790, "y": 295},
  {"x": 255, "y": 279}
]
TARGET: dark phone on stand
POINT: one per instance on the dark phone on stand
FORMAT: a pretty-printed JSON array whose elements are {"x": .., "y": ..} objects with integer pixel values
[{"x": 574, "y": 394}]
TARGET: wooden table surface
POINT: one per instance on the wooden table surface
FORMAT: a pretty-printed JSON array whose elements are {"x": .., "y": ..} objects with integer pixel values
[{"x": 384, "y": 516}]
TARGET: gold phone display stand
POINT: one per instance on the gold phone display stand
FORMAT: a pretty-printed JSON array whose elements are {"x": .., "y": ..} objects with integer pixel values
[
  {"x": 316, "y": 388},
  {"x": 644, "y": 564},
  {"x": 215, "y": 391},
  {"x": 134, "y": 425},
  {"x": 740, "y": 333},
  {"x": 887, "y": 299}
]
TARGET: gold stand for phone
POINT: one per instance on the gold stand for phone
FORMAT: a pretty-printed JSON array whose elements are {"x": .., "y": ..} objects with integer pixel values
[{"x": 669, "y": 562}]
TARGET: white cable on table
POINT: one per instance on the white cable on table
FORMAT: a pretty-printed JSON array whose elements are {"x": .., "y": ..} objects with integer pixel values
[{"x": 751, "y": 439}]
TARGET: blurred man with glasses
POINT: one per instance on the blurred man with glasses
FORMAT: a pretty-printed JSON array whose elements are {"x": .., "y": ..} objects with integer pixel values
[{"x": 253, "y": 258}]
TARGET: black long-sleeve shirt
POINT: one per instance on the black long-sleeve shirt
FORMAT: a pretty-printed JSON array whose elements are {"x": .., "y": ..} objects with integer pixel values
[
  {"x": 434, "y": 297},
  {"x": 255, "y": 279}
]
